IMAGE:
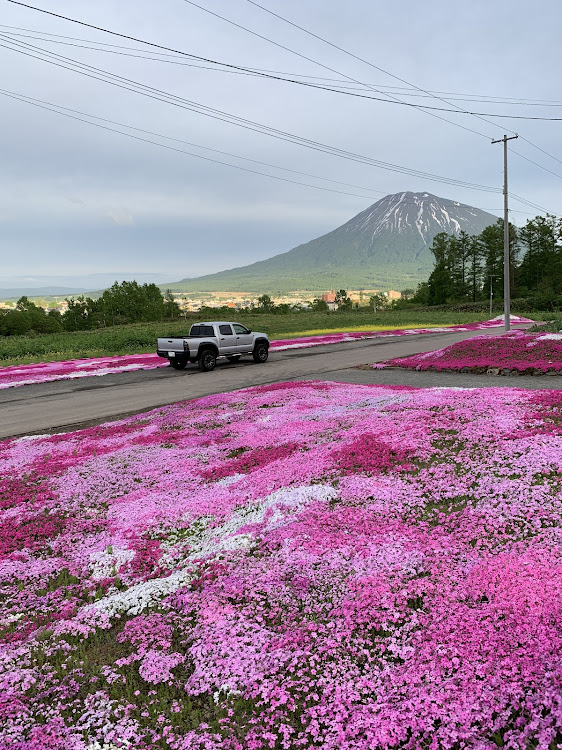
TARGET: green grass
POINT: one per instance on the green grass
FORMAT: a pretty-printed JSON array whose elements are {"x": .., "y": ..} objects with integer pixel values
[
  {"x": 141, "y": 337},
  {"x": 553, "y": 324}
]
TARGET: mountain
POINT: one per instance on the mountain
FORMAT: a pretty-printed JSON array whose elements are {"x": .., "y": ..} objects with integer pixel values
[
  {"x": 66, "y": 286},
  {"x": 39, "y": 291},
  {"x": 384, "y": 247}
]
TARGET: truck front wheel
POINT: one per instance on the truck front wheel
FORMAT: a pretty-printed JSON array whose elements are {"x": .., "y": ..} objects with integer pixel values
[
  {"x": 260, "y": 352},
  {"x": 207, "y": 360},
  {"x": 178, "y": 364}
]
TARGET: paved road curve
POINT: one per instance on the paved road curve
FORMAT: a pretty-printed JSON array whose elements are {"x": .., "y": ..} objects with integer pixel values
[{"x": 69, "y": 404}]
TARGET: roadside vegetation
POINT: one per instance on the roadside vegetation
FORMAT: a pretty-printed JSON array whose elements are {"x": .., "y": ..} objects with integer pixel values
[{"x": 137, "y": 338}]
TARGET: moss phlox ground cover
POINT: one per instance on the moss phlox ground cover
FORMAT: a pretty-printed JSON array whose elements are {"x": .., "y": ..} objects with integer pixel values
[
  {"x": 516, "y": 350},
  {"x": 42, "y": 372},
  {"x": 291, "y": 566}
]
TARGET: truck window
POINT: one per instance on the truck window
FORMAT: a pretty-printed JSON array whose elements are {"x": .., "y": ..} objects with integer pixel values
[
  {"x": 225, "y": 330},
  {"x": 240, "y": 328},
  {"x": 201, "y": 331}
]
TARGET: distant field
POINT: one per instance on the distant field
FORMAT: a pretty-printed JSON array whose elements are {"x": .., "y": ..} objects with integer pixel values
[{"x": 138, "y": 338}]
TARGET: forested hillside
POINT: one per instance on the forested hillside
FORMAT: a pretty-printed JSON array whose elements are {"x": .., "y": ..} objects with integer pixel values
[{"x": 470, "y": 267}]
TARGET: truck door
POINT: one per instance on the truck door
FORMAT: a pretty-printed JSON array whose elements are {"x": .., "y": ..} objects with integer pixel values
[
  {"x": 244, "y": 339},
  {"x": 227, "y": 340}
]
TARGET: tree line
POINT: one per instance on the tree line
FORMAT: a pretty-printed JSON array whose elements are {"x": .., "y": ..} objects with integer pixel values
[
  {"x": 128, "y": 302},
  {"x": 470, "y": 268}
]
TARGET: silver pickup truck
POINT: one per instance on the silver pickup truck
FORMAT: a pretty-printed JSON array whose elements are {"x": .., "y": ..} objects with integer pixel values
[{"x": 207, "y": 342}]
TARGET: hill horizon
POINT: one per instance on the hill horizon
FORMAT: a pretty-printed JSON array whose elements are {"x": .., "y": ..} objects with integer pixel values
[{"x": 385, "y": 247}]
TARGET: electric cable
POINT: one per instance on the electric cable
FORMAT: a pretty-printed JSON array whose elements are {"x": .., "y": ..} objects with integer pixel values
[
  {"x": 402, "y": 80},
  {"x": 59, "y": 109},
  {"x": 159, "y": 95},
  {"x": 97, "y": 45},
  {"x": 394, "y": 167}
]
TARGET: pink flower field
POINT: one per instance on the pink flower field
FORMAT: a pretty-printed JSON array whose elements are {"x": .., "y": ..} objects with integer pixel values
[
  {"x": 304, "y": 565},
  {"x": 43, "y": 372},
  {"x": 518, "y": 351}
]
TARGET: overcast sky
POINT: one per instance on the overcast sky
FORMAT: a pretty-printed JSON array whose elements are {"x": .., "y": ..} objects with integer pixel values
[{"x": 79, "y": 199}]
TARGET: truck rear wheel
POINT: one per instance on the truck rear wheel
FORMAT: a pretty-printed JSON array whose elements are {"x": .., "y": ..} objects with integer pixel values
[
  {"x": 260, "y": 353},
  {"x": 178, "y": 364},
  {"x": 207, "y": 360}
]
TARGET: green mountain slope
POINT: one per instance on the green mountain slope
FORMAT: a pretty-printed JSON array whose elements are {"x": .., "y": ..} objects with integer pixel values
[{"x": 384, "y": 247}]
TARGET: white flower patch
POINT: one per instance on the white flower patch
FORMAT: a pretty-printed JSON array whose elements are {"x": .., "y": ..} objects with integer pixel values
[
  {"x": 34, "y": 437},
  {"x": 108, "y": 745},
  {"x": 227, "y": 690},
  {"x": 140, "y": 596},
  {"x": 12, "y": 618},
  {"x": 208, "y": 542},
  {"x": 107, "y": 563},
  {"x": 227, "y": 481},
  {"x": 550, "y": 337}
]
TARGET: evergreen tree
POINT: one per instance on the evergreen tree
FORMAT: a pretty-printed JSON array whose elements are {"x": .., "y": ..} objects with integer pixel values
[
  {"x": 439, "y": 282},
  {"x": 540, "y": 270},
  {"x": 491, "y": 245}
]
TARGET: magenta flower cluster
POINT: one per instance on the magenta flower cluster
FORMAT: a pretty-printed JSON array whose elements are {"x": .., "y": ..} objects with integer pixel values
[
  {"x": 44, "y": 372},
  {"x": 537, "y": 352},
  {"x": 301, "y": 565}
]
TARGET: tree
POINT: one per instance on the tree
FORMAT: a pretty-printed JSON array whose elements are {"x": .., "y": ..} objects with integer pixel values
[
  {"x": 377, "y": 301},
  {"x": 492, "y": 251},
  {"x": 343, "y": 302},
  {"x": 27, "y": 317},
  {"x": 439, "y": 282},
  {"x": 421, "y": 297},
  {"x": 319, "y": 305},
  {"x": 75, "y": 317},
  {"x": 128, "y": 302},
  {"x": 541, "y": 267},
  {"x": 265, "y": 304},
  {"x": 475, "y": 269}
]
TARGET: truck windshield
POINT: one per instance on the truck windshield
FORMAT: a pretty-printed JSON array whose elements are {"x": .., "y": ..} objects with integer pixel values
[{"x": 200, "y": 331}]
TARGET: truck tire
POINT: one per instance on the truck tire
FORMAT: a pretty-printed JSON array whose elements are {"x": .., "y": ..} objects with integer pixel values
[
  {"x": 178, "y": 364},
  {"x": 207, "y": 360},
  {"x": 261, "y": 352}
]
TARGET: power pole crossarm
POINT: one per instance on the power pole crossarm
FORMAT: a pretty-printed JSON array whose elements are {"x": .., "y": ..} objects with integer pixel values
[{"x": 506, "y": 259}]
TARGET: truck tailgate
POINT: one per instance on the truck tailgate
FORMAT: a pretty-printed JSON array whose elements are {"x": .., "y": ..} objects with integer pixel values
[{"x": 171, "y": 345}]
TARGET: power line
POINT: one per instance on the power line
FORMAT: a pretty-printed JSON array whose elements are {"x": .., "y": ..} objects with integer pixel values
[
  {"x": 60, "y": 110},
  {"x": 159, "y": 95},
  {"x": 526, "y": 202},
  {"x": 517, "y": 153},
  {"x": 53, "y": 108},
  {"x": 480, "y": 116},
  {"x": 241, "y": 70},
  {"x": 265, "y": 75},
  {"x": 356, "y": 57},
  {"x": 327, "y": 67},
  {"x": 406, "y": 91},
  {"x": 234, "y": 119},
  {"x": 540, "y": 149}
]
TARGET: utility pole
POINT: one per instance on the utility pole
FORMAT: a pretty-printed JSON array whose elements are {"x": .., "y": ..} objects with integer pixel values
[{"x": 506, "y": 264}]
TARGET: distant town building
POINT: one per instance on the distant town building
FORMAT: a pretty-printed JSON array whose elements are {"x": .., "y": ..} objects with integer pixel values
[
  {"x": 329, "y": 297},
  {"x": 393, "y": 294}
]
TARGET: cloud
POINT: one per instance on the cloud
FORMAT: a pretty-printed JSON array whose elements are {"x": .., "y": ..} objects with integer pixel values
[{"x": 119, "y": 216}]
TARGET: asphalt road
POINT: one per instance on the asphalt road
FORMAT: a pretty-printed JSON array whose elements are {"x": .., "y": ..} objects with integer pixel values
[{"x": 70, "y": 404}]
